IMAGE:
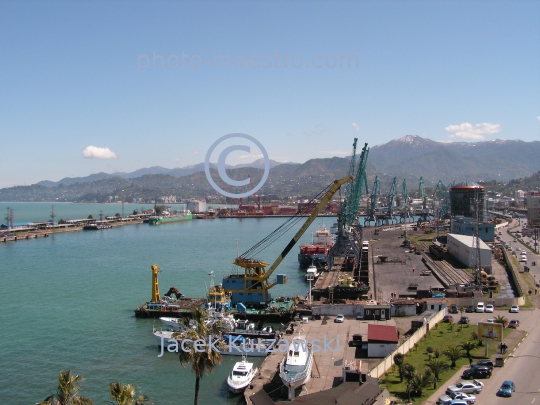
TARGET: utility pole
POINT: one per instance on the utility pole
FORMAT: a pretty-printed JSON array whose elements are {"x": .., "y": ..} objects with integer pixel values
[
  {"x": 477, "y": 240},
  {"x": 9, "y": 220},
  {"x": 122, "y": 208},
  {"x": 53, "y": 215}
]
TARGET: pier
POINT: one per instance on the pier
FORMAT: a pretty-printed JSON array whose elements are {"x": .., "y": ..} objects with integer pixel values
[{"x": 328, "y": 366}]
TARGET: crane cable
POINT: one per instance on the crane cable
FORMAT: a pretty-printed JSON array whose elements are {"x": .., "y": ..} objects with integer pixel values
[{"x": 285, "y": 227}]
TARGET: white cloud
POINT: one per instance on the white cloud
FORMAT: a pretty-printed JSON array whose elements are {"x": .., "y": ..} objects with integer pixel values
[
  {"x": 196, "y": 152},
  {"x": 95, "y": 152},
  {"x": 470, "y": 131},
  {"x": 354, "y": 124},
  {"x": 538, "y": 117}
]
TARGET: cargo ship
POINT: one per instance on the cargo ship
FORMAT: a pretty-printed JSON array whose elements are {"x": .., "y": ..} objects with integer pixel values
[
  {"x": 167, "y": 217},
  {"x": 317, "y": 252}
]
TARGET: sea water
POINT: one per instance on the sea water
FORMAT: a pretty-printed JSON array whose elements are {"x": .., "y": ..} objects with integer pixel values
[{"x": 67, "y": 302}]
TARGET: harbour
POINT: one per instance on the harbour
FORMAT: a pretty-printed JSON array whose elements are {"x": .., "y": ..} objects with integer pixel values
[{"x": 86, "y": 321}]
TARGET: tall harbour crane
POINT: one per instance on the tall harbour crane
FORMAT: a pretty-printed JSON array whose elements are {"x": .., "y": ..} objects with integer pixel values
[{"x": 371, "y": 217}]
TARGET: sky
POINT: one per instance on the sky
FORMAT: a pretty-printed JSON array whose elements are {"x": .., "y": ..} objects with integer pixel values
[{"x": 106, "y": 86}]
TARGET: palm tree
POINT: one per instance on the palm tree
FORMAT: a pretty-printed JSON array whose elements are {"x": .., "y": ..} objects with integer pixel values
[
  {"x": 501, "y": 319},
  {"x": 399, "y": 360},
  {"x": 468, "y": 346},
  {"x": 408, "y": 371},
  {"x": 67, "y": 392},
  {"x": 454, "y": 354},
  {"x": 419, "y": 381},
  {"x": 126, "y": 395},
  {"x": 202, "y": 361},
  {"x": 437, "y": 367}
]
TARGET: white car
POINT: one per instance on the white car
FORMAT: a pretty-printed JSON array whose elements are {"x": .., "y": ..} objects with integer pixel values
[
  {"x": 489, "y": 308},
  {"x": 490, "y": 320},
  {"x": 514, "y": 308},
  {"x": 480, "y": 307},
  {"x": 340, "y": 318},
  {"x": 449, "y": 399},
  {"x": 469, "y": 387}
]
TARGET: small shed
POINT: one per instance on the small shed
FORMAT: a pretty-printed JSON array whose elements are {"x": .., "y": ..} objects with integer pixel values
[
  {"x": 377, "y": 312},
  {"x": 382, "y": 340}
]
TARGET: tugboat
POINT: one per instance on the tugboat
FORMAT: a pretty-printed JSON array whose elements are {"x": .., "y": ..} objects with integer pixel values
[{"x": 241, "y": 375}]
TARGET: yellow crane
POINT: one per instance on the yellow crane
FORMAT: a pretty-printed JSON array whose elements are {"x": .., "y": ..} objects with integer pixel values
[{"x": 253, "y": 285}]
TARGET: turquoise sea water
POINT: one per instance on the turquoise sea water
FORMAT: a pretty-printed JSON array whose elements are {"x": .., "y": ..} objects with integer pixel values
[{"x": 67, "y": 302}]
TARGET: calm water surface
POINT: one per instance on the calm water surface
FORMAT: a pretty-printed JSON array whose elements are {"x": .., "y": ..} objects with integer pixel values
[{"x": 68, "y": 300}]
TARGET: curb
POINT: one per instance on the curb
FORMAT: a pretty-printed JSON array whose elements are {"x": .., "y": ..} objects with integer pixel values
[{"x": 520, "y": 342}]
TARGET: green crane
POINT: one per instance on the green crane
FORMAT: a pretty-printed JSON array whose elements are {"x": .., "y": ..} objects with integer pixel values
[{"x": 371, "y": 217}]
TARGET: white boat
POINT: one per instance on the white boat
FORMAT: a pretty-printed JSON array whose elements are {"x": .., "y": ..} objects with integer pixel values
[
  {"x": 295, "y": 369},
  {"x": 241, "y": 375},
  {"x": 312, "y": 270},
  {"x": 241, "y": 346},
  {"x": 163, "y": 336},
  {"x": 177, "y": 324}
]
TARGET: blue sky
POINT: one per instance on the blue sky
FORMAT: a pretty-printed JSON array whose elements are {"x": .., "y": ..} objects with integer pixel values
[{"x": 75, "y": 75}]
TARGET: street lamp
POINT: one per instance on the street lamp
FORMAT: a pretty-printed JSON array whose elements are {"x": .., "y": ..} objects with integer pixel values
[{"x": 310, "y": 277}]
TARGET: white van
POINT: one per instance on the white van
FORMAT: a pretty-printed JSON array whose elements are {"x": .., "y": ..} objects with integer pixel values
[{"x": 480, "y": 307}]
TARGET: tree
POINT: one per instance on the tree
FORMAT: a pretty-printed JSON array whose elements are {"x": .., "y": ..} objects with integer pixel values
[
  {"x": 126, "y": 395},
  {"x": 399, "y": 360},
  {"x": 468, "y": 346},
  {"x": 201, "y": 361},
  {"x": 454, "y": 354},
  {"x": 90, "y": 216},
  {"x": 419, "y": 381},
  {"x": 437, "y": 367},
  {"x": 67, "y": 392},
  {"x": 501, "y": 319},
  {"x": 408, "y": 371}
]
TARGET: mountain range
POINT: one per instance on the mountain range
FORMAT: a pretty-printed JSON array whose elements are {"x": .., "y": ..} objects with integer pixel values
[{"x": 408, "y": 157}]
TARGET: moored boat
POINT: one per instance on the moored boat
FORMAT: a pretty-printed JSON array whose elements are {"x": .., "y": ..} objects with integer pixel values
[
  {"x": 312, "y": 271},
  {"x": 241, "y": 376},
  {"x": 167, "y": 217},
  {"x": 316, "y": 253}
]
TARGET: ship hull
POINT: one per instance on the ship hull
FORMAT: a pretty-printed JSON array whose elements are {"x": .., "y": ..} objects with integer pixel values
[
  {"x": 166, "y": 220},
  {"x": 319, "y": 260}
]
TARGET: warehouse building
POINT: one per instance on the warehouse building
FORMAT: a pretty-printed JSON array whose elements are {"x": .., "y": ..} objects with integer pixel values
[
  {"x": 466, "y": 226},
  {"x": 463, "y": 248}
]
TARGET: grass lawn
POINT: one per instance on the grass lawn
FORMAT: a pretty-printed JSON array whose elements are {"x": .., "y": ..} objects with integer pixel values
[{"x": 441, "y": 338}]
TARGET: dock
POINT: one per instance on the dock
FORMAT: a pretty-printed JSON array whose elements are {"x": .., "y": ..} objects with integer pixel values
[{"x": 328, "y": 364}]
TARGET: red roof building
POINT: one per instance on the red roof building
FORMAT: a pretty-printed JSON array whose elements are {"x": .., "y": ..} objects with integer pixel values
[{"x": 382, "y": 334}]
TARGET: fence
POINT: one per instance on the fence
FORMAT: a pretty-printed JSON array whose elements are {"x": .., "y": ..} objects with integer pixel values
[{"x": 388, "y": 361}]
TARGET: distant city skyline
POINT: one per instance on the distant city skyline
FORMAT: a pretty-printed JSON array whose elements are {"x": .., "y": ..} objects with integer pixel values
[{"x": 117, "y": 86}]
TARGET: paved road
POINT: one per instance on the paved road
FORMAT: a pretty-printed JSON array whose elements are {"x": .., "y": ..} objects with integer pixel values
[{"x": 523, "y": 369}]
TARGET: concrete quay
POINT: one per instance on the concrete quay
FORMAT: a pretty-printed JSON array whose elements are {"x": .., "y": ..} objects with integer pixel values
[{"x": 328, "y": 361}]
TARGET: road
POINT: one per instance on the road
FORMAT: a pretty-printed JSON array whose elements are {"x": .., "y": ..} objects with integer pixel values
[{"x": 523, "y": 368}]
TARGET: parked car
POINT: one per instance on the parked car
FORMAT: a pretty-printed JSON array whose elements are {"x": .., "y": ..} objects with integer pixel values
[
  {"x": 487, "y": 363},
  {"x": 453, "y": 309},
  {"x": 448, "y": 399},
  {"x": 490, "y": 320},
  {"x": 514, "y": 324},
  {"x": 507, "y": 389},
  {"x": 469, "y": 387},
  {"x": 448, "y": 318},
  {"x": 514, "y": 308},
  {"x": 489, "y": 308},
  {"x": 470, "y": 309},
  {"x": 464, "y": 320},
  {"x": 480, "y": 307},
  {"x": 340, "y": 318},
  {"x": 477, "y": 371}
]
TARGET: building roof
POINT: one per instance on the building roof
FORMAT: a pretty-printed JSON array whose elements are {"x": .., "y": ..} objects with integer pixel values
[
  {"x": 382, "y": 333},
  {"x": 468, "y": 240},
  {"x": 466, "y": 185}
]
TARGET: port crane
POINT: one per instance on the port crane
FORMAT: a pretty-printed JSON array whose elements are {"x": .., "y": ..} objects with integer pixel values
[
  {"x": 253, "y": 285},
  {"x": 387, "y": 215},
  {"x": 371, "y": 215},
  {"x": 405, "y": 211},
  {"x": 425, "y": 214},
  {"x": 349, "y": 233}
]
